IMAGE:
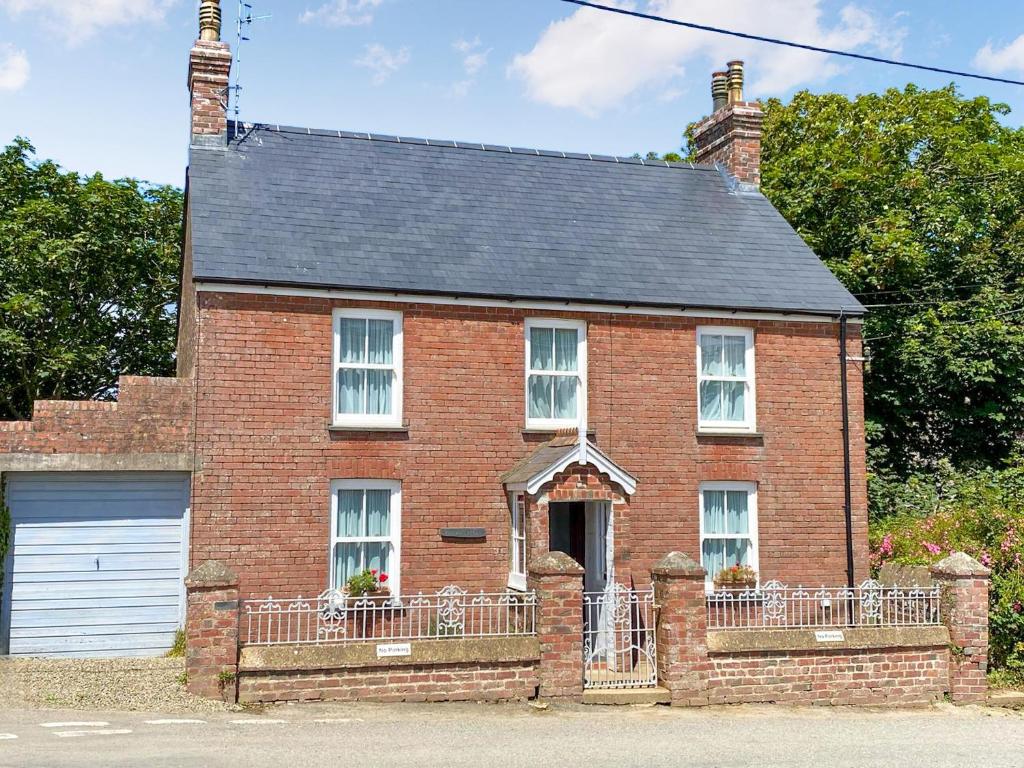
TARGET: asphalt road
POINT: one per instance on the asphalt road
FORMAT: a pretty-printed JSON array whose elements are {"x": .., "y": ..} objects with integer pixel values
[{"x": 516, "y": 735}]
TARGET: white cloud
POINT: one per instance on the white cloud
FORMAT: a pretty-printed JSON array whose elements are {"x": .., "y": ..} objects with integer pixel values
[
  {"x": 14, "y": 68},
  {"x": 592, "y": 60},
  {"x": 76, "y": 20},
  {"x": 382, "y": 62},
  {"x": 1009, "y": 58},
  {"x": 474, "y": 59},
  {"x": 343, "y": 13}
]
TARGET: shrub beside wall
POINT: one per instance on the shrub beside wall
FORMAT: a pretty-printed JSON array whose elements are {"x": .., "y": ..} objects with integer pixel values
[{"x": 979, "y": 512}]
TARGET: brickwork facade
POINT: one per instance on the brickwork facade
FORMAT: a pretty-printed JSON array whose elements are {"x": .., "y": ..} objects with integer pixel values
[
  {"x": 964, "y": 606},
  {"x": 264, "y": 399},
  {"x": 209, "y": 64}
]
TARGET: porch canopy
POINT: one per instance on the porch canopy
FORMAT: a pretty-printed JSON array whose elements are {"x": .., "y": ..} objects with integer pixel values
[{"x": 554, "y": 456}]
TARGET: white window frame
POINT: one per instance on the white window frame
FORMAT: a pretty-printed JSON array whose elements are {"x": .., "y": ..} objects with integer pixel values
[
  {"x": 749, "y": 424},
  {"x": 384, "y": 420},
  {"x": 752, "y": 533},
  {"x": 580, "y": 327},
  {"x": 394, "y": 582},
  {"x": 517, "y": 541}
]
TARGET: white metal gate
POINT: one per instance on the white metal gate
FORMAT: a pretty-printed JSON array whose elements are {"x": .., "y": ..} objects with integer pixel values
[{"x": 619, "y": 648}]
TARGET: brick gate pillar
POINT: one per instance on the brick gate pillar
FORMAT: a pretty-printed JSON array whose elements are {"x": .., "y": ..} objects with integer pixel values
[
  {"x": 964, "y": 608},
  {"x": 682, "y": 632},
  {"x": 558, "y": 581},
  {"x": 211, "y": 631}
]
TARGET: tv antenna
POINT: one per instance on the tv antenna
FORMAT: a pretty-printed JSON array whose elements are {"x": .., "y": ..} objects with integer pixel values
[{"x": 245, "y": 20}]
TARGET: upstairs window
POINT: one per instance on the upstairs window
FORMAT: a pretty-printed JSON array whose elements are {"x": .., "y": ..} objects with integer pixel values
[
  {"x": 365, "y": 530},
  {"x": 556, "y": 373},
  {"x": 728, "y": 526},
  {"x": 725, "y": 379},
  {"x": 517, "y": 542},
  {"x": 367, "y": 368}
]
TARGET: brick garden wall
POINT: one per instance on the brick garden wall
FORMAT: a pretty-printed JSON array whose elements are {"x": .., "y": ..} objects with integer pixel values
[
  {"x": 892, "y": 676},
  {"x": 482, "y": 681},
  {"x": 264, "y": 402},
  {"x": 151, "y": 415}
]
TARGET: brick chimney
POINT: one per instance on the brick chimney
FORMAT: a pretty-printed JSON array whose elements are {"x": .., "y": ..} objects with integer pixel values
[
  {"x": 732, "y": 134},
  {"x": 209, "y": 64}
]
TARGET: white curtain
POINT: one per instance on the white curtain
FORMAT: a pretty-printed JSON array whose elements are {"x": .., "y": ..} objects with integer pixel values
[
  {"x": 353, "y": 340},
  {"x": 738, "y": 520},
  {"x": 733, "y": 393},
  {"x": 565, "y": 349},
  {"x": 711, "y": 355},
  {"x": 565, "y": 397},
  {"x": 378, "y": 395},
  {"x": 540, "y": 396},
  {"x": 714, "y": 511},
  {"x": 541, "y": 349},
  {"x": 735, "y": 356},
  {"x": 380, "y": 340},
  {"x": 351, "y": 390},
  {"x": 711, "y": 400}
]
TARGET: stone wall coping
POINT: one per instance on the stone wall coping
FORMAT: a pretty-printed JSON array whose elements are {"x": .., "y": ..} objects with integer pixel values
[
  {"x": 854, "y": 638},
  {"x": 212, "y": 573},
  {"x": 555, "y": 564},
  {"x": 24, "y": 461},
  {"x": 305, "y": 657},
  {"x": 959, "y": 564},
  {"x": 678, "y": 564}
]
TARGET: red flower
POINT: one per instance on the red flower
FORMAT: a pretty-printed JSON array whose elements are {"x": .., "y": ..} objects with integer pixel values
[
  {"x": 373, "y": 571},
  {"x": 383, "y": 578}
]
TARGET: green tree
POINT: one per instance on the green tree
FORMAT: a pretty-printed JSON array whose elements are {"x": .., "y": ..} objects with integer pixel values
[
  {"x": 88, "y": 281},
  {"x": 915, "y": 199}
]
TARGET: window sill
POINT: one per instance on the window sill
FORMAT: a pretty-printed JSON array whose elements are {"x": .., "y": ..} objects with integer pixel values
[
  {"x": 337, "y": 428},
  {"x": 706, "y": 432},
  {"x": 516, "y": 584}
]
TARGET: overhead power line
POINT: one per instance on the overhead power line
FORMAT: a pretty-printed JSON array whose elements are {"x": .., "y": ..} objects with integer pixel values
[{"x": 790, "y": 43}]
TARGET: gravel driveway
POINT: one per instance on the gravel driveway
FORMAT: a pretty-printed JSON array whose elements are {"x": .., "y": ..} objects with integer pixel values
[{"x": 118, "y": 684}]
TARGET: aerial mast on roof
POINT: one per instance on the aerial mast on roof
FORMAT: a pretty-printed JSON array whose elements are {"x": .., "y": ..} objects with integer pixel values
[{"x": 245, "y": 20}]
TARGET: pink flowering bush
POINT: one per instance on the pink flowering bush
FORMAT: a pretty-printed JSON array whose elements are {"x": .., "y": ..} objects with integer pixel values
[{"x": 980, "y": 513}]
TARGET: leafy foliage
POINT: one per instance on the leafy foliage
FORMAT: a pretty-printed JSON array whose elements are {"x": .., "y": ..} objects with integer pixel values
[
  {"x": 979, "y": 512},
  {"x": 88, "y": 281}
]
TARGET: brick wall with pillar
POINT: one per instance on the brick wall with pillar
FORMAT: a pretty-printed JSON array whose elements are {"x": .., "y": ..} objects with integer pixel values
[
  {"x": 211, "y": 627},
  {"x": 683, "y": 665},
  {"x": 964, "y": 607},
  {"x": 558, "y": 582}
]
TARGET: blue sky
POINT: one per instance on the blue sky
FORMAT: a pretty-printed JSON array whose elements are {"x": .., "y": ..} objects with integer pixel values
[{"x": 100, "y": 84}]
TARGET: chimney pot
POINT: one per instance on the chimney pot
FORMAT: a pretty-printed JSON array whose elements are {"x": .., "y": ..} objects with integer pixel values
[
  {"x": 719, "y": 90},
  {"x": 209, "y": 20},
  {"x": 735, "y": 78}
]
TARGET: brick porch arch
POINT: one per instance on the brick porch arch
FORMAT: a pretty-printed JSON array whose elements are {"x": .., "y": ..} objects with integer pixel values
[{"x": 579, "y": 482}]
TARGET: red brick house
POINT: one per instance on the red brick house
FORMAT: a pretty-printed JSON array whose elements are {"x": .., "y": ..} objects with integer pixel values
[{"x": 389, "y": 346}]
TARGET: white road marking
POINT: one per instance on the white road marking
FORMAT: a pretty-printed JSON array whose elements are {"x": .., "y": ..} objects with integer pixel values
[
  {"x": 182, "y": 721},
  {"x": 76, "y": 724},
  {"x": 340, "y": 720},
  {"x": 7, "y": 736},
  {"x": 100, "y": 732},
  {"x": 257, "y": 721}
]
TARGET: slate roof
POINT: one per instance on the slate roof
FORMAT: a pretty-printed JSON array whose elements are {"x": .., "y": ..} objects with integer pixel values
[{"x": 298, "y": 207}]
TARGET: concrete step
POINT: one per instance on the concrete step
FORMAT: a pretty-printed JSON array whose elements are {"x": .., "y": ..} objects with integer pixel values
[{"x": 621, "y": 696}]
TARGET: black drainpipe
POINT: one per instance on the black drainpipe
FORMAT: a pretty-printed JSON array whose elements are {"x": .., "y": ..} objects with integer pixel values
[{"x": 848, "y": 504}]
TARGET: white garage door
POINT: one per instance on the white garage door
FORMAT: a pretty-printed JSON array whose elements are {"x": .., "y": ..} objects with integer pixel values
[{"x": 96, "y": 567}]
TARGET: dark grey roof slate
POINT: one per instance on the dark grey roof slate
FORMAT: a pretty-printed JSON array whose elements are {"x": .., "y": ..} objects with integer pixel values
[
  {"x": 542, "y": 457},
  {"x": 293, "y": 206}
]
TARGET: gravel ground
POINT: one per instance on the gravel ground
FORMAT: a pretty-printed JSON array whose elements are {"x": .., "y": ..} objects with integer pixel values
[{"x": 111, "y": 684}]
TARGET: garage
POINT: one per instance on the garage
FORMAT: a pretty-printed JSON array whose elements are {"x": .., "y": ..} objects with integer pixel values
[{"x": 96, "y": 564}]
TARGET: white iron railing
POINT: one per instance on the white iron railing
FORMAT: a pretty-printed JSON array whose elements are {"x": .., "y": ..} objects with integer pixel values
[
  {"x": 334, "y": 617},
  {"x": 618, "y": 638},
  {"x": 776, "y": 606}
]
